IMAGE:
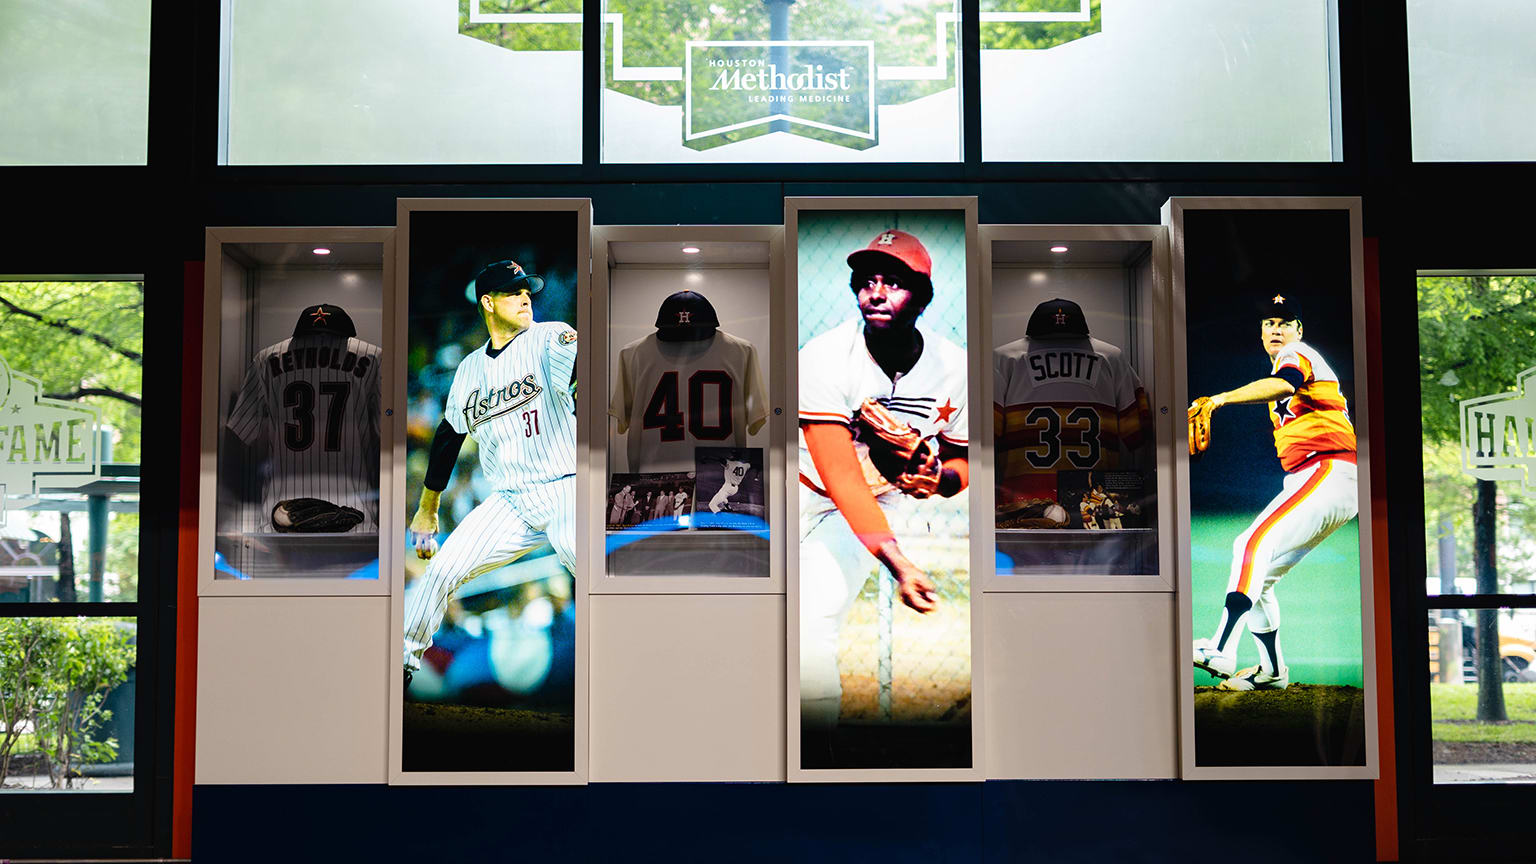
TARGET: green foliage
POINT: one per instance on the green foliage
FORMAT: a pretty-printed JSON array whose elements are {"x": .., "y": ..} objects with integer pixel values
[
  {"x": 1025, "y": 36},
  {"x": 55, "y": 675},
  {"x": 75, "y": 336},
  {"x": 1476, "y": 334},
  {"x": 1453, "y": 712},
  {"x": 524, "y": 37},
  {"x": 123, "y": 555}
]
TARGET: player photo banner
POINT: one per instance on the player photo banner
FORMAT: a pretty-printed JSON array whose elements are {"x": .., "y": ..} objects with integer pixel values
[
  {"x": 1276, "y": 619},
  {"x": 884, "y": 562},
  {"x": 489, "y": 646}
]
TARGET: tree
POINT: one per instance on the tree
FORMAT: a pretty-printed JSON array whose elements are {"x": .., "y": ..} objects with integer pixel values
[{"x": 1476, "y": 334}]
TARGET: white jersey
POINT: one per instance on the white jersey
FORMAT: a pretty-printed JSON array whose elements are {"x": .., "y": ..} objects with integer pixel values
[
  {"x": 520, "y": 406},
  {"x": 672, "y": 396},
  {"x": 837, "y": 375},
  {"x": 1063, "y": 404},
  {"x": 314, "y": 401}
]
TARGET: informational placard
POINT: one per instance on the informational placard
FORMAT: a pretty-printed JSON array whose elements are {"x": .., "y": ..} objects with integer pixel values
[
  {"x": 490, "y": 573},
  {"x": 1271, "y": 359},
  {"x": 883, "y": 599}
]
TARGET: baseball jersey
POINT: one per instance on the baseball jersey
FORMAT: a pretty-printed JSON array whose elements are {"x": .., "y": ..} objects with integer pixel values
[
  {"x": 519, "y": 406},
  {"x": 735, "y": 472},
  {"x": 313, "y": 401},
  {"x": 673, "y": 396},
  {"x": 837, "y": 375},
  {"x": 1063, "y": 404},
  {"x": 1316, "y": 418}
]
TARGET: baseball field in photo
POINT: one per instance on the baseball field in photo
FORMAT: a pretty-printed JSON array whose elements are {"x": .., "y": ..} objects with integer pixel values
[{"x": 1274, "y": 533}]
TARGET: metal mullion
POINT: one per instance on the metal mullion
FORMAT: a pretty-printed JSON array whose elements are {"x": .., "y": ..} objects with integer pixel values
[
  {"x": 1480, "y": 601},
  {"x": 127, "y": 609}
]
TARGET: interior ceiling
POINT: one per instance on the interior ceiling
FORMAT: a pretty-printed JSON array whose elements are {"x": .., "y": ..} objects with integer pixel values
[
  {"x": 1080, "y": 253},
  {"x": 719, "y": 253},
  {"x": 303, "y": 254}
]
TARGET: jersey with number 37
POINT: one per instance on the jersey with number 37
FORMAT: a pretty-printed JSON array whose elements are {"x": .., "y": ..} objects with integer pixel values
[
  {"x": 313, "y": 400},
  {"x": 671, "y": 397},
  {"x": 520, "y": 406}
]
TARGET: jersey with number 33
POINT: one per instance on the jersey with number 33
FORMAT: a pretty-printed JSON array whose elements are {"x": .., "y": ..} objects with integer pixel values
[{"x": 520, "y": 406}]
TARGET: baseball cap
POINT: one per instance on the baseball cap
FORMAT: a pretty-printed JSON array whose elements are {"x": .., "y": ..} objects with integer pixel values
[
  {"x": 325, "y": 318},
  {"x": 1056, "y": 318},
  {"x": 504, "y": 276},
  {"x": 1279, "y": 305},
  {"x": 686, "y": 316},
  {"x": 906, "y": 249}
]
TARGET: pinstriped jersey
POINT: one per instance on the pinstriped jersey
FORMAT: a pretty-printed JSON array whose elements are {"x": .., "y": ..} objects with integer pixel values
[
  {"x": 673, "y": 396},
  {"x": 837, "y": 375},
  {"x": 313, "y": 402},
  {"x": 520, "y": 406},
  {"x": 1063, "y": 404},
  {"x": 1316, "y": 418}
]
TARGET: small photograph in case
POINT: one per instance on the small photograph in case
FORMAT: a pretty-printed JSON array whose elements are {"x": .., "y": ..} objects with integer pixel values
[
  {"x": 650, "y": 502},
  {"x": 729, "y": 489},
  {"x": 1102, "y": 500}
]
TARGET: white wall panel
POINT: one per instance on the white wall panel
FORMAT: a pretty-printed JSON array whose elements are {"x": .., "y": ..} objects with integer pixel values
[
  {"x": 687, "y": 688},
  {"x": 1081, "y": 686},
  {"x": 292, "y": 689}
]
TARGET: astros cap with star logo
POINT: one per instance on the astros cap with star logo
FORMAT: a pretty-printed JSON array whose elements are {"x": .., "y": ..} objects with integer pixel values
[
  {"x": 1055, "y": 319},
  {"x": 504, "y": 277},
  {"x": 325, "y": 318}
]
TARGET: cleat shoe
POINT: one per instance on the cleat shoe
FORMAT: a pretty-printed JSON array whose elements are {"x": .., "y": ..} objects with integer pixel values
[
  {"x": 1213, "y": 661},
  {"x": 1255, "y": 678},
  {"x": 407, "y": 679}
]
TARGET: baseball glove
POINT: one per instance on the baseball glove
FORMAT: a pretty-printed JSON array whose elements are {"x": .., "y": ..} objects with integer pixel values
[
  {"x": 1032, "y": 513},
  {"x": 1200, "y": 412},
  {"x": 898, "y": 452},
  {"x": 313, "y": 516}
]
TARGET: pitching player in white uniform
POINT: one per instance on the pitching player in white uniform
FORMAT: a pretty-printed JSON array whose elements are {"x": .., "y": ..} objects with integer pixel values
[
  {"x": 1316, "y": 444},
  {"x": 918, "y": 376},
  {"x": 735, "y": 471},
  {"x": 516, "y": 396},
  {"x": 314, "y": 400}
]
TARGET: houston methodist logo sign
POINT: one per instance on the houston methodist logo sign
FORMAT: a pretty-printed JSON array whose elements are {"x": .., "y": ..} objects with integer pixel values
[
  {"x": 1498, "y": 433},
  {"x": 813, "y": 85},
  {"x": 44, "y": 442}
]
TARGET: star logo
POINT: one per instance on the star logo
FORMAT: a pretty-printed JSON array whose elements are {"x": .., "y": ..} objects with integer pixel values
[
  {"x": 318, "y": 316},
  {"x": 515, "y": 267},
  {"x": 685, "y": 317},
  {"x": 1277, "y": 299},
  {"x": 946, "y": 411},
  {"x": 1061, "y": 317},
  {"x": 887, "y": 239},
  {"x": 15, "y": 409}
]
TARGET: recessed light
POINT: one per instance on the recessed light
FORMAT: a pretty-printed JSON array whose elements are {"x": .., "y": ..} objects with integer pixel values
[
  {"x": 321, "y": 250},
  {"x": 690, "y": 250},
  {"x": 1058, "y": 249}
]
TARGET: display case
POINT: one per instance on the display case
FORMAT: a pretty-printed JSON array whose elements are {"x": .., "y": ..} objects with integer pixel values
[
  {"x": 1077, "y": 376},
  {"x": 689, "y": 465},
  {"x": 293, "y": 409}
]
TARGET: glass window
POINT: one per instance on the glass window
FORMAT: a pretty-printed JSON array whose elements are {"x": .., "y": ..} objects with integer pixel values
[
  {"x": 76, "y": 79},
  {"x": 1472, "y": 80},
  {"x": 71, "y": 370},
  {"x": 1477, "y": 366},
  {"x": 1132, "y": 81},
  {"x": 310, "y": 82},
  {"x": 780, "y": 81}
]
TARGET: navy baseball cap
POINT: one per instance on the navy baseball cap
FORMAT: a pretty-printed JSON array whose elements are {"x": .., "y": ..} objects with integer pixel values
[
  {"x": 325, "y": 318},
  {"x": 1057, "y": 318},
  {"x": 504, "y": 277},
  {"x": 686, "y": 316},
  {"x": 1279, "y": 305}
]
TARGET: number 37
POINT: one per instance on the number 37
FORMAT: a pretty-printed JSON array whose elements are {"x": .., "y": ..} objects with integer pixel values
[{"x": 530, "y": 423}]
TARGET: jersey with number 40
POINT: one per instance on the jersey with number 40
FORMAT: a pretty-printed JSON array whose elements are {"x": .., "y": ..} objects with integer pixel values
[
  {"x": 314, "y": 401},
  {"x": 673, "y": 396}
]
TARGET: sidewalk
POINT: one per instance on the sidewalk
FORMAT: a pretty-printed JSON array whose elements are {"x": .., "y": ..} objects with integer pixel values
[
  {"x": 39, "y": 783},
  {"x": 1493, "y": 773}
]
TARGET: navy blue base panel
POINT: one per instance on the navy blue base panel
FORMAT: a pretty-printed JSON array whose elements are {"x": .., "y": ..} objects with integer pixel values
[{"x": 1044, "y": 821}]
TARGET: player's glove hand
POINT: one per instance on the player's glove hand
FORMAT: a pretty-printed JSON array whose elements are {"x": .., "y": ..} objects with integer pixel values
[
  {"x": 898, "y": 452},
  {"x": 423, "y": 533},
  {"x": 313, "y": 516},
  {"x": 1200, "y": 412}
]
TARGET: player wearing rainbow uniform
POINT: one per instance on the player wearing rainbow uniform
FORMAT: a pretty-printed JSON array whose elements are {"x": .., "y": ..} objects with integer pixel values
[{"x": 1315, "y": 441}]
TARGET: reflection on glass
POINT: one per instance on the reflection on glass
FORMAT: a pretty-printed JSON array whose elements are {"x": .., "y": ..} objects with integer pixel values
[
  {"x": 299, "y": 411},
  {"x": 1476, "y": 371},
  {"x": 1482, "y": 704},
  {"x": 71, "y": 369},
  {"x": 1076, "y": 488},
  {"x": 687, "y": 490},
  {"x": 67, "y": 703}
]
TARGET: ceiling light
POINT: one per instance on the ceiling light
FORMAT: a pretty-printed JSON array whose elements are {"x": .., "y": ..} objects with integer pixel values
[
  {"x": 321, "y": 250},
  {"x": 690, "y": 250},
  {"x": 1058, "y": 249}
]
